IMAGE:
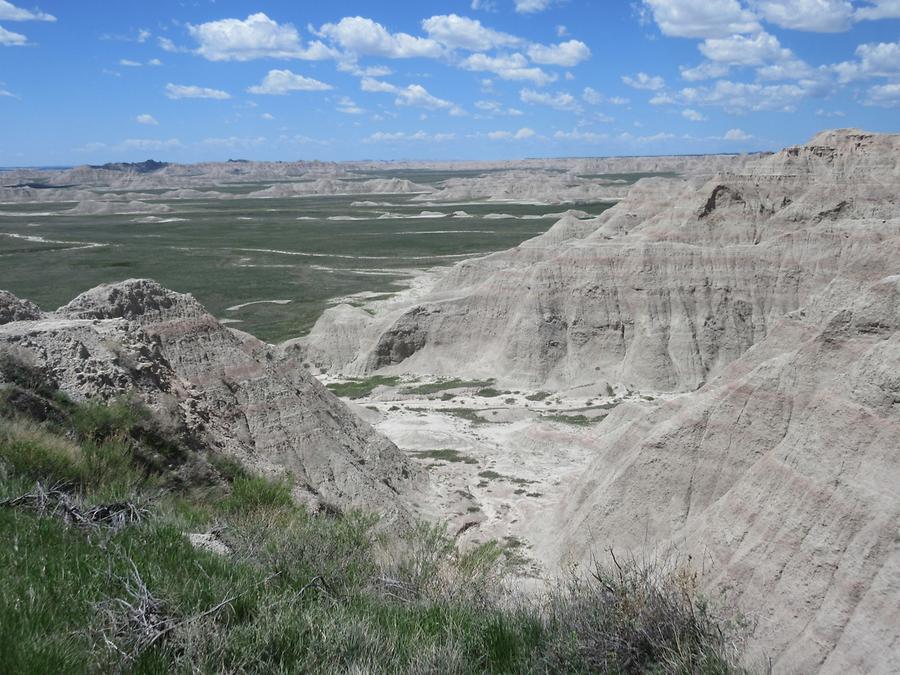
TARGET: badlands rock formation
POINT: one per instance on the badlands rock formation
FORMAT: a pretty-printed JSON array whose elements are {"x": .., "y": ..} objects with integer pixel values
[
  {"x": 659, "y": 292},
  {"x": 770, "y": 297},
  {"x": 233, "y": 393}
]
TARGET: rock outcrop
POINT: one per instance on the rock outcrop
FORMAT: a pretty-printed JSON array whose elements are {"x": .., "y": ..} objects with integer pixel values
[
  {"x": 661, "y": 291},
  {"x": 233, "y": 393},
  {"x": 770, "y": 299}
]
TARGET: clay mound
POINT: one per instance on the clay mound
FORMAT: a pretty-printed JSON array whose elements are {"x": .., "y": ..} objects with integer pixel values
[
  {"x": 97, "y": 208},
  {"x": 233, "y": 393},
  {"x": 16, "y": 309}
]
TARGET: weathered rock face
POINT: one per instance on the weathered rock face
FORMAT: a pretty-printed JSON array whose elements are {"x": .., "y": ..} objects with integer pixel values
[
  {"x": 16, "y": 309},
  {"x": 783, "y": 476},
  {"x": 659, "y": 292},
  {"x": 234, "y": 393}
]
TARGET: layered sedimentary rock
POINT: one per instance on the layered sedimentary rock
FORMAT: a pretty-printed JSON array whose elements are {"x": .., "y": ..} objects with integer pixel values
[
  {"x": 233, "y": 393},
  {"x": 781, "y": 477},
  {"x": 770, "y": 298},
  {"x": 659, "y": 292}
]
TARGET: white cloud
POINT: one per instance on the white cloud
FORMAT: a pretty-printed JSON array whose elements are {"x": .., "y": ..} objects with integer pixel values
[
  {"x": 705, "y": 71},
  {"x": 581, "y": 136},
  {"x": 739, "y": 50},
  {"x": 737, "y": 135},
  {"x": 364, "y": 37},
  {"x": 592, "y": 96},
  {"x": 495, "y": 108},
  {"x": 879, "y": 9},
  {"x": 7, "y": 94},
  {"x": 738, "y": 97},
  {"x": 510, "y": 67},
  {"x": 532, "y": 6},
  {"x": 9, "y": 12},
  {"x": 458, "y": 32},
  {"x": 829, "y": 113},
  {"x": 693, "y": 115},
  {"x": 619, "y": 100},
  {"x": 143, "y": 35},
  {"x": 176, "y": 91},
  {"x": 415, "y": 95},
  {"x": 348, "y": 106},
  {"x": 234, "y": 142},
  {"x": 400, "y": 136},
  {"x": 10, "y": 39},
  {"x": 565, "y": 54},
  {"x": 560, "y": 100},
  {"x": 522, "y": 134},
  {"x": 268, "y": 117},
  {"x": 372, "y": 85},
  {"x": 884, "y": 95},
  {"x": 255, "y": 37},
  {"x": 154, "y": 62},
  {"x": 128, "y": 63},
  {"x": 702, "y": 18},
  {"x": 819, "y": 16},
  {"x": 279, "y": 82},
  {"x": 880, "y": 59},
  {"x": 146, "y": 119},
  {"x": 148, "y": 144},
  {"x": 644, "y": 81},
  {"x": 662, "y": 99},
  {"x": 168, "y": 46}
]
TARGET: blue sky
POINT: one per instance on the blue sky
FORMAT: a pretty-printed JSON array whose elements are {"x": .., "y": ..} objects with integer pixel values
[{"x": 94, "y": 81}]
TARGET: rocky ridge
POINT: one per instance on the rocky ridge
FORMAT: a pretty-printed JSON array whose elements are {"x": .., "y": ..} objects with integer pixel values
[{"x": 231, "y": 392}]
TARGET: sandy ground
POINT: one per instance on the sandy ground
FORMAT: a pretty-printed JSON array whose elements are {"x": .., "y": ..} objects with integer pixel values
[{"x": 498, "y": 463}]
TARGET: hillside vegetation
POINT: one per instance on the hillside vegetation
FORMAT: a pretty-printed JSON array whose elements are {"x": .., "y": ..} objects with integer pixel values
[{"x": 127, "y": 549}]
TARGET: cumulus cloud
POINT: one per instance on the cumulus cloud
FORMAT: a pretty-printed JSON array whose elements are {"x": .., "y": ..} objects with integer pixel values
[
  {"x": 522, "y": 134},
  {"x": 176, "y": 91},
  {"x": 737, "y": 135},
  {"x": 415, "y": 95},
  {"x": 146, "y": 119},
  {"x": 739, "y": 50},
  {"x": 400, "y": 136},
  {"x": 364, "y": 37},
  {"x": 879, "y": 9},
  {"x": 644, "y": 81},
  {"x": 496, "y": 108},
  {"x": 566, "y": 54},
  {"x": 701, "y": 18},
  {"x": 693, "y": 115},
  {"x": 348, "y": 106},
  {"x": 10, "y": 39},
  {"x": 279, "y": 82},
  {"x": 560, "y": 100},
  {"x": 370, "y": 84},
  {"x": 9, "y": 12},
  {"x": 509, "y": 67},
  {"x": 740, "y": 97},
  {"x": 581, "y": 136},
  {"x": 884, "y": 95},
  {"x": 705, "y": 71},
  {"x": 129, "y": 63},
  {"x": 592, "y": 96},
  {"x": 458, "y": 32},
  {"x": 532, "y": 6},
  {"x": 255, "y": 37},
  {"x": 820, "y": 16},
  {"x": 881, "y": 59}
]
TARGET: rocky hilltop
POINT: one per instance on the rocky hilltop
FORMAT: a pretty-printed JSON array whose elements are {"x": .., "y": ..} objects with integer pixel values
[
  {"x": 765, "y": 304},
  {"x": 231, "y": 392}
]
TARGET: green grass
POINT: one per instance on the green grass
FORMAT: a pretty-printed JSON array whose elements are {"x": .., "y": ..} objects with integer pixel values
[
  {"x": 447, "y": 455},
  {"x": 295, "y": 592},
  {"x": 575, "y": 420},
  {"x": 538, "y": 396},
  {"x": 468, "y": 414},
  {"x": 362, "y": 388},
  {"x": 226, "y": 261},
  {"x": 444, "y": 385}
]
